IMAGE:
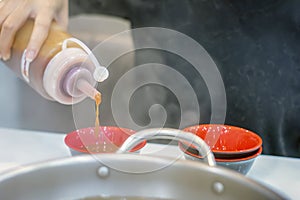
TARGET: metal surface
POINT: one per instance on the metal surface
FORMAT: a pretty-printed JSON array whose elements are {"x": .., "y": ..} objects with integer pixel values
[
  {"x": 85, "y": 176},
  {"x": 171, "y": 134}
]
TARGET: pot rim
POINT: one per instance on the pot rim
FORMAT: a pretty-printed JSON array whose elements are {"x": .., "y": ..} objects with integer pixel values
[{"x": 214, "y": 173}]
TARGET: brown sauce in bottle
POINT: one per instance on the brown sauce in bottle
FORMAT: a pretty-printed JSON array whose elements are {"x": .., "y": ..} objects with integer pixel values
[{"x": 49, "y": 49}]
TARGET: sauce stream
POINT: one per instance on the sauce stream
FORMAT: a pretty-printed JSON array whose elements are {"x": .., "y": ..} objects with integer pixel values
[{"x": 97, "y": 121}]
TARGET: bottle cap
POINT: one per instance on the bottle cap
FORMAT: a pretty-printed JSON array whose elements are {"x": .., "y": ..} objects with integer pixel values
[
  {"x": 57, "y": 76},
  {"x": 100, "y": 73}
]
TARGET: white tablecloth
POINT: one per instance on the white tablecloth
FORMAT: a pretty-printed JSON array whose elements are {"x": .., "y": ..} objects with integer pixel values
[{"x": 20, "y": 147}]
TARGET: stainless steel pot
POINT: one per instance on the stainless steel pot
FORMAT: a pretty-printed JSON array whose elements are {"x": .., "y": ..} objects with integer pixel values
[{"x": 132, "y": 175}]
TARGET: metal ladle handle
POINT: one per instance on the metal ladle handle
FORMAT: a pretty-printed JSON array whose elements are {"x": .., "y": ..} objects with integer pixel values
[{"x": 171, "y": 134}]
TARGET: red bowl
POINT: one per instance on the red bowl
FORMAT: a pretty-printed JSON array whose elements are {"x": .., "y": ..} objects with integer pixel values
[
  {"x": 227, "y": 141},
  {"x": 198, "y": 157},
  {"x": 241, "y": 165},
  {"x": 106, "y": 139}
]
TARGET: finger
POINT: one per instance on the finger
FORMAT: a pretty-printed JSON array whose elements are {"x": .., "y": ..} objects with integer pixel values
[
  {"x": 62, "y": 22},
  {"x": 1, "y": 4},
  {"x": 62, "y": 18},
  {"x": 8, "y": 31},
  {"x": 5, "y": 9},
  {"x": 39, "y": 34}
]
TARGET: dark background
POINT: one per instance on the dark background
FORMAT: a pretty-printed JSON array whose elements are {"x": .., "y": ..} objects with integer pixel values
[{"x": 256, "y": 46}]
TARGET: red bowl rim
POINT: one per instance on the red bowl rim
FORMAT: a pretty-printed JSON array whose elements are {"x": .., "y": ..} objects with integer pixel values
[
  {"x": 255, "y": 148},
  {"x": 75, "y": 132},
  {"x": 254, "y": 155}
]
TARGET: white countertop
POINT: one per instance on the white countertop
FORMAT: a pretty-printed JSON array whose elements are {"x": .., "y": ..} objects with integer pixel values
[{"x": 20, "y": 147}]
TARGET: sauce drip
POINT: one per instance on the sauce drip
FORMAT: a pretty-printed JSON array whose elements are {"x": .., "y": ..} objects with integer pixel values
[
  {"x": 97, "y": 122},
  {"x": 103, "y": 142}
]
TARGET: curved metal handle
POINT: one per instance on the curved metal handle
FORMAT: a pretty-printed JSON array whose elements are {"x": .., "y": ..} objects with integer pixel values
[{"x": 168, "y": 133}]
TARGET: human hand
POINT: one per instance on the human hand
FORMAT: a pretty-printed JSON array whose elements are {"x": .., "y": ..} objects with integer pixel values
[{"x": 14, "y": 13}]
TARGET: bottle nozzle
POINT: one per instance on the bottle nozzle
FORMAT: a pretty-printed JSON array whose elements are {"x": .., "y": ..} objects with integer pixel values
[{"x": 85, "y": 87}]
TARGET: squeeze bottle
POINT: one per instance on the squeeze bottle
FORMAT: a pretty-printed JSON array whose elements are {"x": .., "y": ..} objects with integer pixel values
[{"x": 65, "y": 70}]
